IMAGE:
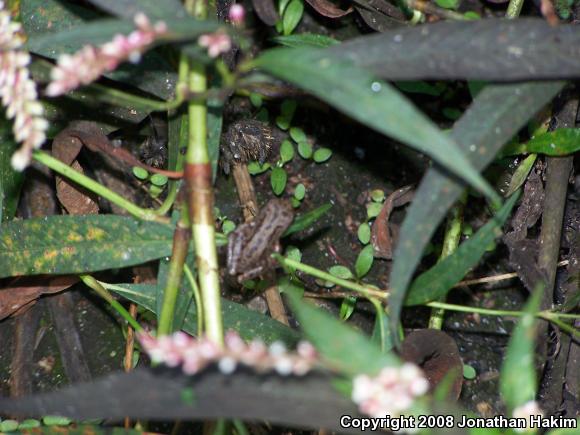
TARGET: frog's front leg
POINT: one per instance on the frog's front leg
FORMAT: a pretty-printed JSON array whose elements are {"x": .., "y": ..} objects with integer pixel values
[
  {"x": 251, "y": 274},
  {"x": 235, "y": 247}
]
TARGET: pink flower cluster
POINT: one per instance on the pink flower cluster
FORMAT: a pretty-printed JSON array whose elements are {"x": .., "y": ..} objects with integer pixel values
[
  {"x": 527, "y": 410},
  {"x": 216, "y": 43},
  {"x": 89, "y": 63},
  {"x": 391, "y": 393},
  {"x": 18, "y": 92},
  {"x": 193, "y": 355}
]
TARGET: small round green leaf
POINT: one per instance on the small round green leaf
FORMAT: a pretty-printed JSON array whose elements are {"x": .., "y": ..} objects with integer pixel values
[
  {"x": 28, "y": 424},
  {"x": 305, "y": 150},
  {"x": 255, "y": 168},
  {"x": 364, "y": 261},
  {"x": 288, "y": 108},
  {"x": 283, "y": 122},
  {"x": 8, "y": 426},
  {"x": 297, "y": 134},
  {"x": 278, "y": 179},
  {"x": 140, "y": 173},
  {"x": 469, "y": 372},
  {"x": 373, "y": 209},
  {"x": 263, "y": 115},
  {"x": 256, "y": 100},
  {"x": 340, "y": 272},
  {"x": 159, "y": 180},
  {"x": 292, "y": 16},
  {"x": 378, "y": 195},
  {"x": 250, "y": 284},
  {"x": 293, "y": 253},
  {"x": 155, "y": 191},
  {"x": 364, "y": 233},
  {"x": 295, "y": 202},
  {"x": 228, "y": 226},
  {"x": 321, "y": 155},
  {"x": 299, "y": 192},
  {"x": 55, "y": 420},
  {"x": 286, "y": 151}
]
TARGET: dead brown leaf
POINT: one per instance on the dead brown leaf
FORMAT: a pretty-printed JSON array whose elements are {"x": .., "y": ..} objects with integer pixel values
[
  {"x": 382, "y": 235},
  {"x": 21, "y": 293},
  {"x": 329, "y": 9}
]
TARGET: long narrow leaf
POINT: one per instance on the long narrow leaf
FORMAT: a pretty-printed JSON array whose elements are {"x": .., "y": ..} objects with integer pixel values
[
  {"x": 154, "y": 9},
  {"x": 437, "y": 281},
  {"x": 376, "y": 104},
  {"x": 496, "y": 114},
  {"x": 491, "y": 49}
]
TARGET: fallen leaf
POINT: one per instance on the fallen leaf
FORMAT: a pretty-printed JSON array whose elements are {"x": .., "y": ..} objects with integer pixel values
[{"x": 328, "y": 9}]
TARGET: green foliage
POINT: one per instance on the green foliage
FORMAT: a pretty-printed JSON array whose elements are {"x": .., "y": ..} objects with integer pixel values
[
  {"x": 364, "y": 261},
  {"x": 286, "y": 151},
  {"x": 437, "y": 281},
  {"x": 292, "y": 16},
  {"x": 305, "y": 149},
  {"x": 364, "y": 233},
  {"x": 469, "y": 372},
  {"x": 80, "y": 244},
  {"x": 560, "y": 142},
  {"x": 340, "y": 272},
  {"x": 321, "y": 155},
  {"x": 518, "y": 381},
  {"x": 306, "y": 40},
  {"x": 10, "y": 180},
  {"x": 278, "y": 179},
  {"x": 347, "y": 350}
]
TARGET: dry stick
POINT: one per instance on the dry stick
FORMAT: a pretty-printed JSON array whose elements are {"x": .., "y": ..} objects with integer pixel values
[
  {"x": 129, "y": 347},
  {"x": 249, "y": 204},
  {"x": 557, "y": 175}
]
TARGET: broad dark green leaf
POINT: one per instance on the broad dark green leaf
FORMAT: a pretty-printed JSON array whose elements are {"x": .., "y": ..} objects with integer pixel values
[
  {"x": 10, "y": 180},
  {"x": 518, "y": 380},
  {"x": 307, "y": 219},
  {"x": 437, "y": 281},
  {"x": 491, "y": 49},
  {"x": 374, "y": 103},
  {"x": 344, "y": 348},
  {"x": 496, "y": 114},
  {"x": 306, "y": 40},
  {"x": 79, "y": 244},
  {"x": 560, "y": 142},
  {"x": 154, "y": 9},
  {"x": 250, "y": 324}
]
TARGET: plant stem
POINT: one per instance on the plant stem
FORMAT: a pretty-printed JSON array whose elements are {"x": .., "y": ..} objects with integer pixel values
[
  {"x": 90, "y": 184},
  {"x": 200, "y": 194},
  {"x": 514, "y": 8},
  {"x": 450, "y": 244},
  {"x": 196, "y": 297},
  {"x": 181, "y": 239},
  {"x": 104, "y": 293}
]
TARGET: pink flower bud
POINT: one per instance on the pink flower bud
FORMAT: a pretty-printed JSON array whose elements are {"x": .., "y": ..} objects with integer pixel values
[{"x": 237, "y": 14}]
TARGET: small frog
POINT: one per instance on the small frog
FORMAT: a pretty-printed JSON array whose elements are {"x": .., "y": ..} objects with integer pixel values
[{"x": 251, "y": 244}]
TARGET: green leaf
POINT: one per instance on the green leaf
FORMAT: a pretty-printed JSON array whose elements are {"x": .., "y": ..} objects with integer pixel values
[
  {"x": 299, "y": 192},
  {"x": 255, "y": 168},
  {"x": 364, "y": 233},
  {"x": 437, "y": 281},
  {"x": 347, "y": 350},
  {"x": 158, "y": 180},
  {"x": 364, "y": 261},
  {"x": 340, "y": 272},
  {"x": 288, "y": 108},
  {"x": 228, "y": 226},
  {"x": 448, "y": 4},
  {"x": 306, "y": 40},
  {"x": 347, "y": 307},
  {"x": 518, "y": 380},
  {"x": 521, "y": 174},
  {"x": 298, "y": 135},
  {"x": 381, "y": 336},
  {"x": 376, "y": 104},
  {"x": 140, "y": 173},
  {"x": 305, "y": 149},
  {"x": 286, "y": 151},
  {"x": 168, "y": 9},
  {"x": 278, "y": 179},
  {"x": 419, "y": 87},
  {"x": 29, "y": 423},
  {"x": 10, "y": 180},
  {"x": 256, "y": 99},
  {"x": 283, "y": 122},
  {"x": 494, "y": 117},
  {"x": 469, "y": 372},
  {"x": 8, "y": 426},
  {"x": 560, "y": 142},
  {"x": 321, "y": 155},
  {"x": 307, "y": 219},
  {"x": 79, "y": 244},
  {"x": 292, "y": 16},
  {"x": 378, "y": 195},
  {"x": 250, "y": 324},
  {"x": 373, "y": 209},
  {"x": 55, "y": 420}
]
